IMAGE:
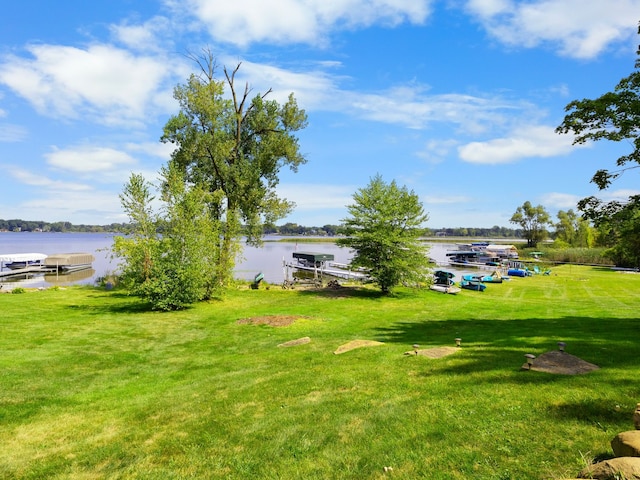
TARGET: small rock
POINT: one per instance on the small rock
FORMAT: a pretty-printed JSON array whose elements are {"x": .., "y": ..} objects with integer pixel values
[
  {"x": 614, "y": 469},
  {"x": 626, "y": 444},
  {"x": 636, "y": 417}
]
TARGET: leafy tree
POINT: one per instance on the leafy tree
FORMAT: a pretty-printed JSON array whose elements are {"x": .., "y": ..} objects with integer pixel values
[
  {"x": 384, "y": 230},
  {"x": 533, "y": 221},
  {"x": 614, "y": 116},
  {"x": 573, "y": 229},
  {"x": 235, "y": 146},
  {"x": 623, "y": 230},
  {"x": 175, "y": 269}
]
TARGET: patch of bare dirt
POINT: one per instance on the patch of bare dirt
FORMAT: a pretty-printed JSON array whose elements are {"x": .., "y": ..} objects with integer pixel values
[
  {"x": 436, "y": 352},
  {"x": 562, "y": 363},
  {"x": 271, "y": 320},
  {"x": 356, "y": 344},
  {"x": 296, "y": 342}
]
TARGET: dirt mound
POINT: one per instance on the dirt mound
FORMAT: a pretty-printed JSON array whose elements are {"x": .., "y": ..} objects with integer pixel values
[{"x": 562, "y": 363}]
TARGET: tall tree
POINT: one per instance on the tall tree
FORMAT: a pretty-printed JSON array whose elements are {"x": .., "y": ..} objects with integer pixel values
[
  {"x": 574, "y": 230},
  {"x": 614, "y": 116},
  {"x": 623, "y": 231},
  {"x": 176, "y": 268},
  {"x": 533, "y": 221},
  {"x": 384, "y": 228},
  {"x": 236, "y": 145}
]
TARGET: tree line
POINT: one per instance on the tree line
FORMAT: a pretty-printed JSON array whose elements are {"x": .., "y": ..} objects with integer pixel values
[
  {"x": 289, "y": 228},
  {"x": 19, "y": 225}
]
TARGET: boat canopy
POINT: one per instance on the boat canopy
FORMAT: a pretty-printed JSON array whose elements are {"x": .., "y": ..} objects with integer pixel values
[
  {"x": 509, "y": 251},
  {"x": 22, "y": 257},
  {"x": 313, "y": 257},
  {"x": 69, "y": 259}
]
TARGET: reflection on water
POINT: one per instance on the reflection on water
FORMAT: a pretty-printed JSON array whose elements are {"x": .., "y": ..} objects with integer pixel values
[
  {"x": 70, "y": 278},
  {"x": 268, "y": 259}
]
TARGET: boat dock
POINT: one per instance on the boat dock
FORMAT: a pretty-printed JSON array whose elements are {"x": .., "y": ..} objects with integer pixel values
[
  {"x": 13, "y": 265},
  {"x": 320, "y": 264}
]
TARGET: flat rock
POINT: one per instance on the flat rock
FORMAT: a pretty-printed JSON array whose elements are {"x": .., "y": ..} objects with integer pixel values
[
  {"x": 293, "y": 343},
  {"x": 614, "y": 469},
  {"x": 436, "y": 352},
  {"x": 626, "y": 444},
  {"x": 356, "y": 344}
]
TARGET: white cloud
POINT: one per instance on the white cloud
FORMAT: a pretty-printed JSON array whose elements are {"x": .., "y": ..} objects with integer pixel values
[
  {"x": 408, "y": 105},
  {"x": 317, "y": 196},
  {"x": 90, "y": 159},
  {"x": 412, "y": 107},
  {"x": 110, "y": 85},
  {"x": 313, "y": 89},
  {"x": 435, "y": 151},
  {"x": 94, "y": 207},
  {"x": 243, "y": 22},
  {"x": 150, "y": 36},
  {"x": 560, "y": 201},
  {"x": 12, "y": 133},
  {"x": 620, "y": 195},
  {"x": 582, "y": 29},
  {"x": 524, "y": 142},
  {"x": 26, "y": 177},
  {"x": 154, "y": 149}
]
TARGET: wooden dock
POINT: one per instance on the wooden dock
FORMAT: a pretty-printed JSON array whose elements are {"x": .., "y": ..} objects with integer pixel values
[{"x": 63, "y": 263}]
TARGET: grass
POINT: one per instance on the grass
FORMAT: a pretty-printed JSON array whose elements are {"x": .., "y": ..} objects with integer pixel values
[{"x": 93, "y": 385}]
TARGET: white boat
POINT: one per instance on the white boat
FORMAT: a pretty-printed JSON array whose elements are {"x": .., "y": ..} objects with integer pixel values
[
  {"x": 15, "y": 261},
  {"x": 452, "y": 289},
  {"x": 443, "y": 282}
]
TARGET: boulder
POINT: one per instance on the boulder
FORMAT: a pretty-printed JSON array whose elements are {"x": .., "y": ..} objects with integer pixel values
[
  {"x": 614, "y": 469},
  {"x": 626, "y": 444}
]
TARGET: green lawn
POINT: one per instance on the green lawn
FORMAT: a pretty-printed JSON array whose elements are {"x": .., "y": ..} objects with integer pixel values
[{"x": 93, "y": 385}]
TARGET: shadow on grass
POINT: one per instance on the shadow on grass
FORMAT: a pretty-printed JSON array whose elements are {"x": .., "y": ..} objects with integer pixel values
[
  {"x": 605, "y": 341},
  {"x": 344, "y": 292},
  {"x": 598, "y": 412}
]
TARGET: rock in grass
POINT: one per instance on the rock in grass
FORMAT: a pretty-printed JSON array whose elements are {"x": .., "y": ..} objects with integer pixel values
[
  {"x": 614, "y": 469},
  {"x": 626, "y": 444},
  {"x": 293, "y": 343},
  {"x": 356, "y": 344}
]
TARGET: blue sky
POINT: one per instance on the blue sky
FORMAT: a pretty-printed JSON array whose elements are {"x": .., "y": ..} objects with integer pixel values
[{"x": 455, "y": 99}]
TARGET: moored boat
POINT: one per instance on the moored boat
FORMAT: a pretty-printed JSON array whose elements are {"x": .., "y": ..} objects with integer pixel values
[
  {"x": 473, "y": 285},
  {"x": 495, "y": 277},
  {"x": 451, "y": 289},
  {"x": 443, "y": 282},
  {"x": 16, "y": 261}
]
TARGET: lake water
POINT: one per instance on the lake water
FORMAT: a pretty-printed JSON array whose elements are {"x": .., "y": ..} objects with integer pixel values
[{"x": 268, "y": 259}]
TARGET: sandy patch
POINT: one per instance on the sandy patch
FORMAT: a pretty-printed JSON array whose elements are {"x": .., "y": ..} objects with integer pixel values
[
  {"x": 436, "y": 352},
  {"x": 356, "y": 344},
  {"x": 293, "y": 343},
  {"x": 271, "y": 320},
  {"x": 561, "y": 363}
]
